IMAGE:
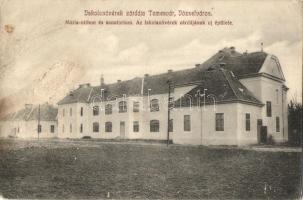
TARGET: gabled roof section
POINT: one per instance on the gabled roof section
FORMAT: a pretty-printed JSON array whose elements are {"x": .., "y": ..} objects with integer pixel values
[
  {"x": 47, "y": 113},
  {"x": 239, "y": 64},
  {"x": 272, "y": 67},
  {"x": 220, "y": 84}
]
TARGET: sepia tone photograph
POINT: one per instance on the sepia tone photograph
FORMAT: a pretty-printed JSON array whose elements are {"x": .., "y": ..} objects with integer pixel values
[{"x": 150, "y": 99}]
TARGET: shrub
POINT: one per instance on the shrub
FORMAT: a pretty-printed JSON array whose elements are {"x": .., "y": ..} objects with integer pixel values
[{"x": 295, "y": 123}]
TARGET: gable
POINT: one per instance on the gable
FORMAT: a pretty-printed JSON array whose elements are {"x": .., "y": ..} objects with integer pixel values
[{"x": 272, "y": 67}]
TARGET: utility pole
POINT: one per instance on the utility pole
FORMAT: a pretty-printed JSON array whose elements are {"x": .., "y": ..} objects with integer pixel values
[
  {"x": 168, "y": 110},
  {"x": 39, "y": 126}
]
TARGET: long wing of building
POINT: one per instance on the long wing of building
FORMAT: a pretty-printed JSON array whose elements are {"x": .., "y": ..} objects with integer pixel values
[{"x": 232, "y": 99}]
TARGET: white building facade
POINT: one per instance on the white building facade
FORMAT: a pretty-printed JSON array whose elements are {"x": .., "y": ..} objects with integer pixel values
[
  {"x": 230, "y": 99},
  {"x": 31, "y": 122}
]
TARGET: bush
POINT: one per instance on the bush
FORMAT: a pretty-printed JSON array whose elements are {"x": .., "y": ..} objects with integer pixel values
[
  {"x": 295, "y": 123},
  {"x": 86, "y": 137}
]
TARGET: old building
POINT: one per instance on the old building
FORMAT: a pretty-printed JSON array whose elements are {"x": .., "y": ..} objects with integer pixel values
[
  {"x": 230, "y": 99},
  {"x": 26, "y": 122}
]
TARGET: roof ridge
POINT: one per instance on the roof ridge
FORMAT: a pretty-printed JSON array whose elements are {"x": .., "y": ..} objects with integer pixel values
[{"x": 115, "y": 83}]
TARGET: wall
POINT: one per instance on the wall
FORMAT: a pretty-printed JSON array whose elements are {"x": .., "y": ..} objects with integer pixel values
[
  {"x": 27, "y": 129},
  {"x": 247, "y": 137},
  {"x": 66, "y": 120},
  {"x": 144, "y": 116},
  {"x": 266, "y": 89}
]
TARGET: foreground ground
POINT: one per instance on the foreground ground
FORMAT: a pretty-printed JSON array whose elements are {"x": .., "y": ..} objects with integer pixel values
[{"x": 88, "y": 169}]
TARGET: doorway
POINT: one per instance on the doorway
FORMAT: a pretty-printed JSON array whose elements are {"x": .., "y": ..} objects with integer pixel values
[{"x": 122, "y": 129}]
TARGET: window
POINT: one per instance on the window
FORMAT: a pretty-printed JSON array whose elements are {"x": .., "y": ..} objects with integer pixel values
[
  {"x": 39, "y": 128},
  {"x": 63, "y": 112},
  {"x": 268, "y": 108},
  {"x": 52, "y": 128},
  {"x": 108, "y": 109},
  {"x": 247, "y": 121},
  {"x": 187, "y": 123},
  {"x": 136, "y": 126},
  {"x": 81, "y": 128},
  {"x": 219, "y": 122},
  {"x": 136, "y": 106},
  {"x": 70, "y": 112},
  {"x": 70, "y": 128},
  {"x": 96, "y": 110},
  {"x": 95, "y": 127},
  {"x": 81, "y": 111},
  {"x": 154, "y": 105},
  {"x": 108, "y": 127},
  {"x": 122, "y": 107},
  {"x": 154, "y": 126},
  {"x": 171, "y": 125},
  {"x": 277, "y": 124}
]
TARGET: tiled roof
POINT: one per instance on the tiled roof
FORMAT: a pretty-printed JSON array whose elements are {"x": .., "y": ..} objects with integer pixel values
[
  {"x": 158, "y": 83},
  {"x": 220, "y": 84},
  {"x": 47, "y": 113},
  {"x": 88, "y": 94},
  {"x": 239, "y": 64}
]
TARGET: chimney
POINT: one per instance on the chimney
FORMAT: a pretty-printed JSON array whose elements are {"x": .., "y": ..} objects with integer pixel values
[
  {"x": 232, "y": 49},
  {"x": 146, "y": 75},
  {"x": 119, "y": 81},
  {"x": 169, "y": 71},
  {"x": 197, "y": 65},
  {"x": 222, "y": 64},
  {"x": 245, "y": 53},
  {"x": 85, "y": 85},
  {"x": 28, "y": 105},
  {"x": 101, "y": 80},
  {"x": 261, "y": 46}
]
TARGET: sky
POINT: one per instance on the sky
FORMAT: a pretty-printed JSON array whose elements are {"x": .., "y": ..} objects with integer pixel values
[{"x": 42, "y": 58}]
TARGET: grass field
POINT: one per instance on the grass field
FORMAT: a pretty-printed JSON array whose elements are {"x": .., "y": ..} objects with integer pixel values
[{"x": 86, "y": 169}]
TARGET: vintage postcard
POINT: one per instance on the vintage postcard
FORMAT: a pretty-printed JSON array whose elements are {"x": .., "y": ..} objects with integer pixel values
[{"x": 150, "y": 99}]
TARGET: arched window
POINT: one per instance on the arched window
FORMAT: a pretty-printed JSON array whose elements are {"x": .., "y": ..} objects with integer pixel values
[
  {"x": 154, "y": 105},
  {"x": 108, "y": 127},
  {"x": 96, "y": 110},
  {"x": 154, "y": 126},
  {"x": 95, "y": 127},
  {"x": 122, "y": 107},
  {"x": 108, "y": 109}
]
